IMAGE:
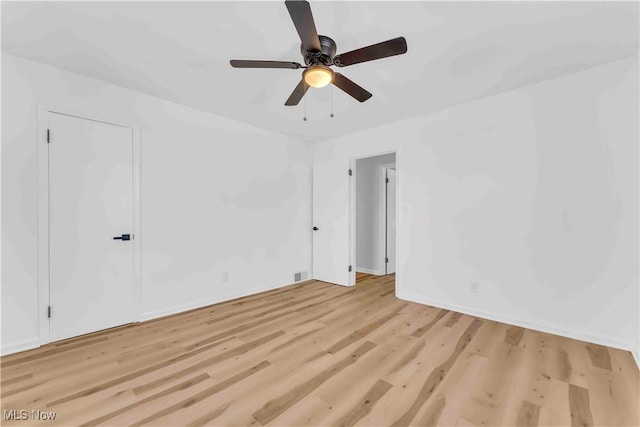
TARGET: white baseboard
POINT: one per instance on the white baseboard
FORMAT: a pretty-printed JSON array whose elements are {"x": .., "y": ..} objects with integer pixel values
[
  {"x": 369, "y": 271},
  {"x": 208, "y": 301},
  {"x": 550, "y": 329},
  {"x": 20, "y": 346}
]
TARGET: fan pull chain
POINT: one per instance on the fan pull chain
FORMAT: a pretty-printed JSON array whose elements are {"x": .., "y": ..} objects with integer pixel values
[
  {"x": 305, "y": 104},
  {"x": 331, "y": 115}
]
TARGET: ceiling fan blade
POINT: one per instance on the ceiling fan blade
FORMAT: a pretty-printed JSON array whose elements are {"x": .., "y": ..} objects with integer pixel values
[
  {"x": 392, "y": 47},
  {"x": 242, "y": 63},
  {"x": 302, "y": 18},
  {"x": 351, "y": 88},
  {"x": 297, "y": 94}
]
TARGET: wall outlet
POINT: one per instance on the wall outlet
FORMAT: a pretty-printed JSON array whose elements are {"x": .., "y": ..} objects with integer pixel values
[
  {"x": 225, "y": 276},
  {"x": 474, "y": 287}
]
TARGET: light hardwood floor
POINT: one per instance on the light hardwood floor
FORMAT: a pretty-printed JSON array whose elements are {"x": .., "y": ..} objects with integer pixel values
[{"x": 320, "y": 354}]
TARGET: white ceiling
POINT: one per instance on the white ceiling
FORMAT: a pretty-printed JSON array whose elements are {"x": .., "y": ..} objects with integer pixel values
[{"x": 457, "y": 51}]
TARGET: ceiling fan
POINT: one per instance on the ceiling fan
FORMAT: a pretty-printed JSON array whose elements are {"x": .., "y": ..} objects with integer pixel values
[{"x": 319, "y": 53}]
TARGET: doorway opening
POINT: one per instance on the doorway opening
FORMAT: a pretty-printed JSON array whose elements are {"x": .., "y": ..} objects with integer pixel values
[
  {"x": 354, "y": 219},
  {"x": 375, "y": 218}
]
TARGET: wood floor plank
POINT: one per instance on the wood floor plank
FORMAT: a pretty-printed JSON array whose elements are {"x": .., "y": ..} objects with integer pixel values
[
  {"x": 555, "y": 411},
  {"x": 579, "y": 360},
  {"x": 529, "y": 414},
  {"x": 295, "y": 339},
  {"x": 9, "y": 381},
  {"x": 437, "y": 375},
  {"x": 135, "y": 414},
  {"x": 599, "y": 356},
  {"x": 318, "y": 354},
  {"x": 453, "y": 319},
  {"x": 514, "y": 335},
  {"x": 564, "y": 365},
  {"x": 409, "y": 357},
  {"x": 52, "y": 351},
  {"x": 624, "y": 393},
  {"x": 359, "y": 334},
  {"x": 533, "y": 377},
  {"x": 244, "y": 348},
  {"x": 433, "y": 412},
  {"x": 182, "y": 386},
  {"x": 275, "y": 407},
  {"x": 579, "y": 406},
  {"x": 208, "y": 416},
  {"x": 310, "y": 411},
  {"x": 204, "y": 394},
  {"x": 440, "y": 342},
  {"x": 490, "y": 399},
  {"x": 359, "y": 381},
  {"x": 423, "y": 329},
  {"x": 379, "y": 389},
  {"x": 454, "y": 391},
  {"x": 124, "y": 378}
]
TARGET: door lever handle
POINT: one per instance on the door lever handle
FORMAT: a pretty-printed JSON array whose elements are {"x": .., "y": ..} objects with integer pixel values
[{"x": 123, "y": 237}]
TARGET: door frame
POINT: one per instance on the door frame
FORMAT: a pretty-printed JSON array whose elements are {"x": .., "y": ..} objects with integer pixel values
[
  {"x": 352, "y": 210},
  {"x": 43, "y": 211},
  {"x": 382, "y": 196}
]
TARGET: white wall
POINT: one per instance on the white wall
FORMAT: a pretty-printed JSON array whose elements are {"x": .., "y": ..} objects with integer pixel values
[
  {"x": 368, "y": 220},
  {"x": 533, "y": 194},
  {"x": 217, "y": 196}
]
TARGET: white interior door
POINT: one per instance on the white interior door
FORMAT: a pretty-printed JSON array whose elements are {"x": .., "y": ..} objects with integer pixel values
[
  {"x": 331, "y": 222},
  {"x": 391, "y": 221},
  {"x": 90, "y": 203}
]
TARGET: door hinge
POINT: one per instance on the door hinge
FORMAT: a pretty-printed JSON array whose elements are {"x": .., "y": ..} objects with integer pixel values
[
  {"x": 387, "y": 181},
  {"x": 350, "y": 172},
  {"x": 350, "y": 268},
  {"x": 386, "y": 260},
  {"x": 49, "y": 312},
  {"x": 48, "y": 136}
]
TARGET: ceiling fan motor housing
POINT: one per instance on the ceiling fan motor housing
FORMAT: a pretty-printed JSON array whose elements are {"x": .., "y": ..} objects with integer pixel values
[{"x": 324, "y": 56}]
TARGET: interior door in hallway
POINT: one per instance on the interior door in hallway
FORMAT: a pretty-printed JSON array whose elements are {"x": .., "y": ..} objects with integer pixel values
[
  {"x": 91, "y": 280},
  {"x": 331, "y": 222}
]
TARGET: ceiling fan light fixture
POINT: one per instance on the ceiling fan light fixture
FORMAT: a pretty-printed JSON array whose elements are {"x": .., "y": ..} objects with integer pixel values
[{"x": 318, "y": 76}]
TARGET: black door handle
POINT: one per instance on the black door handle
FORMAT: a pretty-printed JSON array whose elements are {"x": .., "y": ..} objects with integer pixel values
[
  {"x": 315, "y": 228},
  {"x": 123, "y": 237}
]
